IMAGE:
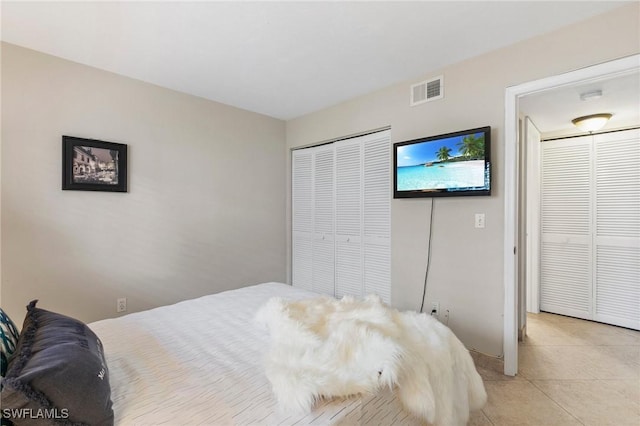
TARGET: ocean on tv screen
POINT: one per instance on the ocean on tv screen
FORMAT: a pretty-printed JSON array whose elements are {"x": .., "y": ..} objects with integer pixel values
[{"x": 442, "y": 176}]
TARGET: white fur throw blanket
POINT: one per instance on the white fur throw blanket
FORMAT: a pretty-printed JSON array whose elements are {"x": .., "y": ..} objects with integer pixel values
[{"x": 325, "y": 347}]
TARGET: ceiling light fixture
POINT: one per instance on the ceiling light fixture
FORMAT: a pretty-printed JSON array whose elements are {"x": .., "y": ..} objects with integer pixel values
[{"x": 591, "y": 123}]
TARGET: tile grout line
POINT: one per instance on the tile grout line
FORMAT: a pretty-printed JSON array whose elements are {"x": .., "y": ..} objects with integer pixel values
[
  {"x": 486, "y": 416},
  {"x": 556, "y": 402}
]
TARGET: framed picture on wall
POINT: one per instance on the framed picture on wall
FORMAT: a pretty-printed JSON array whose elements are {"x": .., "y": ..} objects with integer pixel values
[{"x": 93, "y": 165}]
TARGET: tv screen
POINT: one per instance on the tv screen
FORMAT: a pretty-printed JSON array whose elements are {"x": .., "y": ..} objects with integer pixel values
[{"x": 453, "y": 164}]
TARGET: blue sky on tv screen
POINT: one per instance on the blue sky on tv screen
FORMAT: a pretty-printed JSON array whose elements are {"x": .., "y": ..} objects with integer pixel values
[{"x": 424, "y": 152}]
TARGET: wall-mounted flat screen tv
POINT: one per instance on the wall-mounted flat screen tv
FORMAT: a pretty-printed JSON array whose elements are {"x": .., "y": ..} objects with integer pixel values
[{"x": 453, "y": 164}]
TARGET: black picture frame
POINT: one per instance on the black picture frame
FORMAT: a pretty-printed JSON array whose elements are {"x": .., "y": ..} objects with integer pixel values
[{"x": 93, "y": 165}]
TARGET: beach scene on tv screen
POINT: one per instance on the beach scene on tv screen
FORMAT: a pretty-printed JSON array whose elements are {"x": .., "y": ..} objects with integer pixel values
[{"x": 455, "y": 163}]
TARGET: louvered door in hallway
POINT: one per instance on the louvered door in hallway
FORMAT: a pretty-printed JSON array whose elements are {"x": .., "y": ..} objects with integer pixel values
[{"x": 590, "y": 227}]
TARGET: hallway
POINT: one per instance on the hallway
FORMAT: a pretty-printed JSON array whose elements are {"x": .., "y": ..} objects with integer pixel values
[{"x": 571, "y": 372}]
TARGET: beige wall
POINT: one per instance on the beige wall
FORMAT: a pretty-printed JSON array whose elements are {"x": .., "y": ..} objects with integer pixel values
[
  {"x": 204, "y": 212},
  {"x": 466, "y": 274}
]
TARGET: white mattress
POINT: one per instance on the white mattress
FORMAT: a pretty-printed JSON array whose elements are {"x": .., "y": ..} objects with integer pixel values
[{"x": 199, "y": 362}]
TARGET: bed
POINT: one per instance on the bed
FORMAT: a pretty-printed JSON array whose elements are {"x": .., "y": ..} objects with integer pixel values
[
  {"x": 200, "y": 362},
  {"x": 252, "y": 356}
]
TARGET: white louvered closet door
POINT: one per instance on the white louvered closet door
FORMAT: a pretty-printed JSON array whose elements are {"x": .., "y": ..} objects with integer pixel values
[
  {"x": 590, "y": 251},
  {"x": 617, "y": 221},
  {"x": 323, "y": 262},
  {"x": 302, "y": 218},
  {"x": 363, "y": 216},
  {"x": 377, "y": 214},
  {"x": 349, "y": 262},
  {"x": 566, "y": 222},
  {"x": 341, "y": 201}
]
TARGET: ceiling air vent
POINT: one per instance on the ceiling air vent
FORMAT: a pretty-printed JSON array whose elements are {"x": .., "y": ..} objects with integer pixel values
[{"x": 426, "y": 91}]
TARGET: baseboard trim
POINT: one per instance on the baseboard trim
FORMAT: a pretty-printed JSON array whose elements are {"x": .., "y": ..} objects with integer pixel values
[{"x": 488, "y": 362}]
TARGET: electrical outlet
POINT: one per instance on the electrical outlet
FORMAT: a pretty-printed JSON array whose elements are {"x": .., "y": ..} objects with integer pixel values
[
  {"x": 435, "y": 308},
  {"x": 121, "y": 304}
]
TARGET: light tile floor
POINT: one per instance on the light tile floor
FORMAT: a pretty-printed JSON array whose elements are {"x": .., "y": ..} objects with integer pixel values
[{"x": 571, "y": 372}]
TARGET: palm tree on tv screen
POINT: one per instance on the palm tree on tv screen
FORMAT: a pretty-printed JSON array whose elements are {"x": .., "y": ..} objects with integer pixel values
[
  {"x": 443, "y": 153},
  {"x": 472, "y": 147}
]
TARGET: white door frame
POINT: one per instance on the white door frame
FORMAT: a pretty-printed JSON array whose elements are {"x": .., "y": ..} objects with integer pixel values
[
  {"x": 532, "y": 278},
  {"x": 512, "y": 174}
]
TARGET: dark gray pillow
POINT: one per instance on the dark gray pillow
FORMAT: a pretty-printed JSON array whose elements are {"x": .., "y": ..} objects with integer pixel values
[{"x": 58, "y": 374}]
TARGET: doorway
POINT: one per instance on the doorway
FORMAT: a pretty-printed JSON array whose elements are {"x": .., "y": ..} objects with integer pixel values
[{"x": 514, "y": 217}]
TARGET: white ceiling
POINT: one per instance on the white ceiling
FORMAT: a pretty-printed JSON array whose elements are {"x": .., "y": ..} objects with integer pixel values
[
  {"x": 282, "y": 59},
  {"x": 552, "y": 111}
]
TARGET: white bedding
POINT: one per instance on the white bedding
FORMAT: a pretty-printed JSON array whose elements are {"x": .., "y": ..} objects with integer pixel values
[{"x": 200, "y": 362}]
